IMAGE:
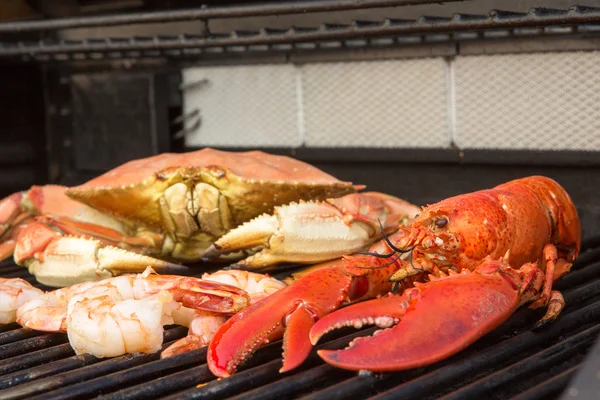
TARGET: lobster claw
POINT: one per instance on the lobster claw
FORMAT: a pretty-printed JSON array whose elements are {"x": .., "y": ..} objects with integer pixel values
[
  {"x": 290, "y": 313},
  {"x": 428, "y": 323}
]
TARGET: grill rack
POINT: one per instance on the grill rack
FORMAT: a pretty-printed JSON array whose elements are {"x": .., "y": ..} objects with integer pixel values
[
  {"x": 538, "y": 22},
  {"x": 511, "y": 361}
]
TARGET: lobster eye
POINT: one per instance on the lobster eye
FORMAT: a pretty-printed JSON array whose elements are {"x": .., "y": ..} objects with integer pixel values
[{"x": 442, "y": 222}]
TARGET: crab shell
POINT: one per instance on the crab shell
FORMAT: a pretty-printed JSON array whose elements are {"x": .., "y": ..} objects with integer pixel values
[{"x": 252, "y": 183}]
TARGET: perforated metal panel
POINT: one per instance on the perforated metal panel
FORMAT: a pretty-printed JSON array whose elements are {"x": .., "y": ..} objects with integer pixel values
[
  {"x": 397, "y": 103},
  {"x": 242, "y": 106},
  {"x": 542, "y": 101},
  {"x": 546, "y": 101}
]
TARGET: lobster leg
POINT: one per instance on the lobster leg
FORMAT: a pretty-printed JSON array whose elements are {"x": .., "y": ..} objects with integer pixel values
[{"x": 428, "y": 326}]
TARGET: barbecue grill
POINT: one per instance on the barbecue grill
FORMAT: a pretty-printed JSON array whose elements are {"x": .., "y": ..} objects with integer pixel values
[{"x": 414, "y": 98}]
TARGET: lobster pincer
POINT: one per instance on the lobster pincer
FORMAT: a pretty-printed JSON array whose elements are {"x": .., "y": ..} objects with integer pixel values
[
  {"x": 422, "y": 326},
  {"x": 291, "y": 312}
]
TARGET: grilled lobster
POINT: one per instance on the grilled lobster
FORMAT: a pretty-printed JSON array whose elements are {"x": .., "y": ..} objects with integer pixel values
[{"x": 466, "y": 264}]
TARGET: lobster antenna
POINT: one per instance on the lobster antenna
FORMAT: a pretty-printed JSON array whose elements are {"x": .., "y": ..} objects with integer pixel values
[
  {"x": 390, "y": 245},
  {"x": 410, "y": 260},
  {"x": 389, "y": 242},
  {"x": 381, "y": 266},
  {"x": 368, "y": 253}
]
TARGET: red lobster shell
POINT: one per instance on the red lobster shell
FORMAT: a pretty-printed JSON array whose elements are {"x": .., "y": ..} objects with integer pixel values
[{"x": 481, "y": 254}]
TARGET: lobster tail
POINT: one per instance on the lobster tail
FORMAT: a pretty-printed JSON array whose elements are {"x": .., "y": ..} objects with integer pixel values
[{"x": 566, "y": 227}]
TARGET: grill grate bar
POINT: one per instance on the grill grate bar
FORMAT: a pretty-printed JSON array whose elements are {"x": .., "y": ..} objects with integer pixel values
[
  {"x": 107, "y": 382},
  {"x": 21, "y": 273},
  {"x": 18, "y": 334},
  {"x": 259, "y": 375},
  {"x": 530, "y": 365},
  {"x": 536, "y": 17},
  {"x": 102, "y": 368},
  {"x": 31, "y": 344},
  {"x": 25, "y": 362},
  {"x": 586, "y": 257},
  {"x": 10, "y": 327},
  {"x": 165, "y": 384},
  {"x": 295, "y": 384},
  {"x": 578, "y": 277},
  {"x": 5, "y": 269},
  {"x": 550, "y": 388},
  {"x": 590, "y": 242}
]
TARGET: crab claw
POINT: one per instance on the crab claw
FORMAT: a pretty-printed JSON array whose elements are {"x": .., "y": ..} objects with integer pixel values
[
  {"x": 432, "y": 321},
  {"x": 310, "y": 232},
  {"x": 58, "y": 261}
]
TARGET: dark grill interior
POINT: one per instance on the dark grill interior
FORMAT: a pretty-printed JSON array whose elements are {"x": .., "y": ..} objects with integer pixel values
[{"x": 512, "y": 362}]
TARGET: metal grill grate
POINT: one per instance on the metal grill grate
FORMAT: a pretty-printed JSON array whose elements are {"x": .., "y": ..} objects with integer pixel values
[
  {"x": 460, "y": 26},
  {"x": 510, "y": 362}
]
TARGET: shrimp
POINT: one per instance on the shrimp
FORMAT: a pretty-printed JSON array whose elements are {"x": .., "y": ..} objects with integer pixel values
[
  {"x": 15, "y": 292},
  {"x": 108, "y": 326},
  {"x": 203, "y": 325},
  {"x": 126, "y": 313},
  {"x": 48, "y": 312}
]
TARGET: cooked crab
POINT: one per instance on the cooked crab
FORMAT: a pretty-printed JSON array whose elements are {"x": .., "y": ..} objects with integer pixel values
[{"x": 172, "y": 207}]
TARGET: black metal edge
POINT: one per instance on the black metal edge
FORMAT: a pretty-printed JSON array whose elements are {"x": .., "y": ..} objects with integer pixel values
[
  {"x": 556, "y": 158},
  {"x": 496, "y": 19},
  {"x": 585, "y": 384},
  {"x": 204, "y": 13},
  {"x": 578, "y": 158},
  {"x": 401, "y": 47}
]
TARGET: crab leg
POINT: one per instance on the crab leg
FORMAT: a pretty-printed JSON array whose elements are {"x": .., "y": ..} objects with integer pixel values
[
  {"x": 291, "y": 312},
  {"x": 310, "y": 232},
  {"x": 49, "y": 204},
  {"x": 11, "y": 219},
  {"x": 423, "y": 326}
]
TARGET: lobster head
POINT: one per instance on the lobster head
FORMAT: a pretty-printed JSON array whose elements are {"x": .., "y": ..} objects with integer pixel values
[{"x": 459, "y": 231}]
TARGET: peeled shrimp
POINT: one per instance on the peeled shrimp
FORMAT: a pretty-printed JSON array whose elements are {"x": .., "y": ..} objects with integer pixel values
[
  {"x": 107, "y": 327},
  {"x": 49, "y": 312},
  {"x": 203, "y": 325},
  {"x": 126, "y": 313},
  {"x": 15, "y": 292}
]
